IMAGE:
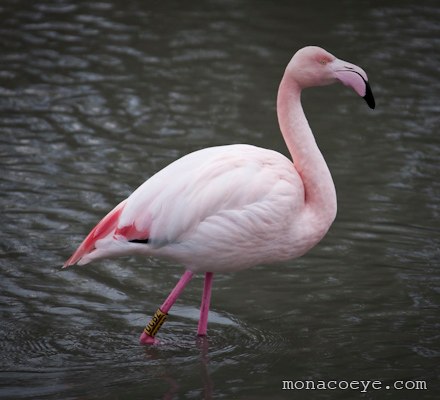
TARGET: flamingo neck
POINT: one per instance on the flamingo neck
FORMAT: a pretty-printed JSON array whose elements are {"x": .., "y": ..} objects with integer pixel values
[{"x": 319, "y": 189}]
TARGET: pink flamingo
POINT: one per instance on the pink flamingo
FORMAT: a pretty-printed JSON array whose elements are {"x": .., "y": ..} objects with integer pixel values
[{"x": 227, "y": 208}]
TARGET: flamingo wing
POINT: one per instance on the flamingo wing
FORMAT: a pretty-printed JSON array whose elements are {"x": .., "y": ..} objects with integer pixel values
[
  {"x": 101, "y": 230},
  {"x": 170, "y": 206}
]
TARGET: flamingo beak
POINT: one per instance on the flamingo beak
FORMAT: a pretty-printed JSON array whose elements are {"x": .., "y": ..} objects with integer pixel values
[
  {"x": 369, "y": 98},
  {"x": 356, "y": 78}
]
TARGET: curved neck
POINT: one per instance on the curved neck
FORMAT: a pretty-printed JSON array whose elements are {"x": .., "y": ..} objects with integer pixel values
[{"x": 320, "y": 194}]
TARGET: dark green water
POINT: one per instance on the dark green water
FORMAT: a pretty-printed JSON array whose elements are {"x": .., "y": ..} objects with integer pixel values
[{"x": 97, "y": 96}]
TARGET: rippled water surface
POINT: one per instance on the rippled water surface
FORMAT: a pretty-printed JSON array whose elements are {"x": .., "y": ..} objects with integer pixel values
[{"x": 97, "y": 96}]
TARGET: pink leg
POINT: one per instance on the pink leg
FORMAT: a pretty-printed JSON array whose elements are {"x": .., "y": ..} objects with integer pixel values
[
  {"x": 147, "y": 336},
  {"x": 204, "y": 308}
]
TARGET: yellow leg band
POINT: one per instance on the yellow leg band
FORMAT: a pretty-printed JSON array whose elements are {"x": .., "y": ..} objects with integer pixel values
[{"x": 155, "y": 323}]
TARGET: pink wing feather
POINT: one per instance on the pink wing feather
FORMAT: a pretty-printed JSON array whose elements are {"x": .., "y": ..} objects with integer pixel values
[{"x": 101, "y": 230}]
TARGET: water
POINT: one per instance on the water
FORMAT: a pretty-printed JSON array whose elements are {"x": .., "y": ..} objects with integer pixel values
[{"x": 97, "y": 96}]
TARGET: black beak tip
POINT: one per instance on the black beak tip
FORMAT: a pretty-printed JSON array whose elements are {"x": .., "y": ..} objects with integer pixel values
[{"x": 369, "y": 98}]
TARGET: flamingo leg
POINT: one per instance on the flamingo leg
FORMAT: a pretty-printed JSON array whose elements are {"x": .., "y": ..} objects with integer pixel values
[
  {"x": 204, "y": 308},
  {"x": 147, "y": 336}
]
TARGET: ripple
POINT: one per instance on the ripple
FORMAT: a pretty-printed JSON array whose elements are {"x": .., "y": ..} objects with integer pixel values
[{"x": 228, "y": 339}]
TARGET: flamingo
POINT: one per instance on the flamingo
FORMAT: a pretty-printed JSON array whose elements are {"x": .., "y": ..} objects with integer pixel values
[{"x": 227, "y": 208}]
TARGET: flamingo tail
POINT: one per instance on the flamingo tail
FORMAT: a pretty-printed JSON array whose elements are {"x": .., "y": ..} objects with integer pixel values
[{"x": 100, "y": 231}]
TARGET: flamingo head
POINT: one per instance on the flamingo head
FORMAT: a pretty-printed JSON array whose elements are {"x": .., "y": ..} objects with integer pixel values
[{"x": 313, "y": 66}]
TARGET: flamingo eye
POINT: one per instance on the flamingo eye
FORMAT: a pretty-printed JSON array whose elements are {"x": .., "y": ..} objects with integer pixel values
[{"x": 323, "y": 61}]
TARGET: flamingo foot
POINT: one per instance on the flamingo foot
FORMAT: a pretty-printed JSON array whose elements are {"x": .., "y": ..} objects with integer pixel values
[
  {"x": 204, "y": 308},
  {"x": 159, "y": 317},
  {"x": 147, "y": 336},
  {"x": 146, "y": 339}
]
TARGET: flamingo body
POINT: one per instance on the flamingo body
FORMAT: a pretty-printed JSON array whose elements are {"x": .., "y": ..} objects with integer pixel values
[
  {"x": 234, "y": 206},
  {"x": 226, "y": 208}
]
